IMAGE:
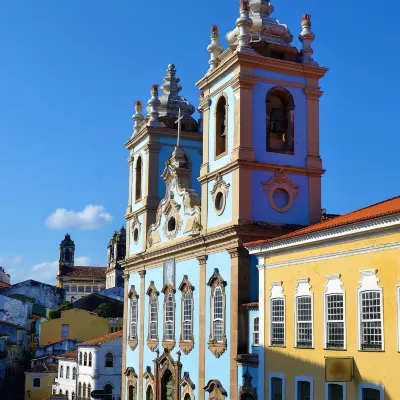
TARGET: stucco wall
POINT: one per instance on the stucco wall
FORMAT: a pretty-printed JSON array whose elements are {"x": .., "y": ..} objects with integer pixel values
[{"x": 15, "y": 311}]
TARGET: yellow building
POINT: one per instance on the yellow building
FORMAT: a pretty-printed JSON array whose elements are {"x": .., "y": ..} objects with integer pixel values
[
  {"x": 74, "y": 324},
  {"x": 328, "y": 308},
  {"x": 38, "y": 381}
]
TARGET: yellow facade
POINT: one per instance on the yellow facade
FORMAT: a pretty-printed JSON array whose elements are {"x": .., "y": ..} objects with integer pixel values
[
  {"x": 42, "y": 392},
  {"x": 82, "y": 325},
  {"x": 347, "y": 257}
]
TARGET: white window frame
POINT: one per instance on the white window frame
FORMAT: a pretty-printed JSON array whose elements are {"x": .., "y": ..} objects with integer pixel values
[
  {"x": 40, "y": 382},
  {"x": 277, "y": 293},
  {"x": 134, "y": 305},
  {"x": 213, "y": 320},
  {"x": 368, "y": 385},
  {"x": 254, "y": 331},
  {"x": 342, "y": 384},
  {"x": 369, "y": 283},
  {"x": 171, "y": 321},
  {"x": 280, "y": 376},
  {"x": 302, "y": 378},
  {"x": 303, "y": 290},
  {"x": 334, "y": 286},
  {"x": 190, "y": 321}
]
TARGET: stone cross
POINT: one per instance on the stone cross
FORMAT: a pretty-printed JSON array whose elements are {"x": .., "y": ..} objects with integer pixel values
[{"x": 178, "y": 121}]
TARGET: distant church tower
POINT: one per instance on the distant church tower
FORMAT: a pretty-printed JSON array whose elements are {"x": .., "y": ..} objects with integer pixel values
[
  {"x": 116, "y": 252},
  {"x": 67, "y": 254}
]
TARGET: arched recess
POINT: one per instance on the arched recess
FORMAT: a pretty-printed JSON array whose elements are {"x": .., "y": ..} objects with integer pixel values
[
  {"x": 221, "y": 126},
  {"x": 216, "y": 390},
  {"x": 187, "y": 387},
  {"x": 131, "y": 383},
  {"x": 280, "y": 120},
  {"x": 133, "y": 318},
  {"x": 138, "y": 180},
  {"x": 168, "y": 340},
  {"x": 152, "y": 336},
  {"x": 149, "y": 384}
]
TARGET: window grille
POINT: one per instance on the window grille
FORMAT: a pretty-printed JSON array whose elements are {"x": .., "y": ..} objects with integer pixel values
[
  {"x": 335, "y": 321},
  {"x": 134, "y": 318},
  {"x": 218, "y": 315},
  {"x": 276, "y": 388},
  {"x": 371, "y": 321},
  {"x": 88, "y": 289},
  {"x": 169, "y": 318},
  {"x": 256, "y": 331},
  {"x": 277, "y": 322},
  {"x": 187, "y": 316},
  {"x": 304, "y": 321},
  {"x": 153, "y": 317}
]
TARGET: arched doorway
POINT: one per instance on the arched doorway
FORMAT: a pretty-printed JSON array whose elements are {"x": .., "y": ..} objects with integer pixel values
[
  {"x": 187, "y": 397},
  {"x": 132, "y": 392},
  {"x": 149, "y": 393},
  {"x": 167, "y": 386},
  {"x": 108, "y": 392}
]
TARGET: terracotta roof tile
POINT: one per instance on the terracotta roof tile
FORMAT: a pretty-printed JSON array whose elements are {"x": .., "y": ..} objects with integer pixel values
[
  {"x": 71, "y": 354},
  {"x": 43, "y": 368},
  {"x": 384, "y": 208},
  {"x": 102, "y": 339},
  {"x": 98, "y": 272}
]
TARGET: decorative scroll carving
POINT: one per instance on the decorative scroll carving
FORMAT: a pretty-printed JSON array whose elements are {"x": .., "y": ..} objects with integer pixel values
[
  {"x": 187, "y": 386},
  {"x": 131, "y": 376},
  {"x": 216, "y": 390},
  {"x": 282, "y": 182},
  {"x": 136, "y": 225},
  {"x": 149, "y": 378}
]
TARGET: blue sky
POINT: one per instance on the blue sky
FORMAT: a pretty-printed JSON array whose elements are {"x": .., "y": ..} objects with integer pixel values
[{"x": 71, "y": 70}]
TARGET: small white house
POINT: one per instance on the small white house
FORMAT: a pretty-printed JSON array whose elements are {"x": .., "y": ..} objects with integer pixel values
[
  {"x": 99, "y": 366},
  {"x": 66, "y": 381}
]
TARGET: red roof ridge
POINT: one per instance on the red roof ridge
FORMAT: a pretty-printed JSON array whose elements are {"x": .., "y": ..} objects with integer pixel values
[
  {"x": 102, "y": 339},
  {"x": 70, "y": 354},
  {"x": 380, "y": 209}
]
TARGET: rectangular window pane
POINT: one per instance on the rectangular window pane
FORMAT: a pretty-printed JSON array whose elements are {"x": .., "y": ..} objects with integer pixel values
[
  {"x": 304, "y": 321},
  {"x": 276, "y": 389},
  {"x": 371, "y": 394},
  {"x": 371, "y": 323},
  {"x": 95, "y": 288},
  {"x": 335, "y": 321},
  {"x": 81, "y": 289},
  {"x": 277, "y": 322},
  {"x": 66, "y": 288},
  {"x": 64, "y": 330},
  {"x": 303, "y": 390},
  {"x": 73, "y": 289},
  {"x": 335, "y": 392},
  {"x": 256, "y": 332},
  {"x": 88, "y": 289}
]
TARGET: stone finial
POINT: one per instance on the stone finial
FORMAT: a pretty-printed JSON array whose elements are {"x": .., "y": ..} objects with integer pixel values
[
  {"x": 214, "y": 48},
  {"x": 200, "y": 110},
  {"x": 153, "y": 103},
  {"x": 244, "y": 23},
  {"x": 306, "y": 37},
  {"x": 137, "y": 117}
]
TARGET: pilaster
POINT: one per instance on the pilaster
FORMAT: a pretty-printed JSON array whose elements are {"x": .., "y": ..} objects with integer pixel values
[
  {"x": 202, "y": 325},
  {"x": 142, "y": 275},
  {"x": 263, "y": 336},
  {"x": 130, "y": 162},
  {"x": 124, "y": 335}
]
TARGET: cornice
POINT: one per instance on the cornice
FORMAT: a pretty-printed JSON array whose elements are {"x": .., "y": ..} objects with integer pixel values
[
  {"x": 260, "y": 166},
  {"x": 310, "y": 239}
]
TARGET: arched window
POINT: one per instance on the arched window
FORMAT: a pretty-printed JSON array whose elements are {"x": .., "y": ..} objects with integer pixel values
[
  {"x": 36, "y": 382},
  {"x": 152, "y": 337},
  {"x": 169, "y": 314},
  {"x": 60, "y": 392},
  {"x": 74, "y": 373},
  {"x": 62, "y": 371},
  {"x": 84, "y": 390},
  {"x": 218, "y": 314},
  {"x": 73, "y": 396},
  {"x": 280, "y": 120},
  {"x": 90, "y": 359},
  {"x": 67, "y": 373},
  {"x": 80, "y": 358},
  {"x": 221, "y": 126},
  {"x": 79, "y": 389},
  {"x": 132, "y": 392},
  {"x": 134, "y": 314},
  {"x": 66, "y": 393},
  {"x": 109, "y": 360},
  {"x": 149, "y": 393},
  {"x": 108, "y": 392},
  {"x": 85, "y": 359},
  {"x": 54, "y": 391},
  {"x": 187, "y": 315},
  {"x": 89, "y": 390},
  {"x": 138, "y": 182}
]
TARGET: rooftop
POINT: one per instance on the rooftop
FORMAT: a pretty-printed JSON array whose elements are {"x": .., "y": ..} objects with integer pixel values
[
  {"x": 85, "y": 271},
  {"x": 102, "y": 339},
  {"x": 382, "y": 209},
  {"x": 253, "y": 306},
  {"x": 71, "y": 354},
  {"x": 43, "y": 368}
]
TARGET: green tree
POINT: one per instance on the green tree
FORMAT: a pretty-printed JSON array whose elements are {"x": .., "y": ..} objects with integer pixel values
[
  {"x": 54, "y": 314},
  {"x": 104, "y": 310}
]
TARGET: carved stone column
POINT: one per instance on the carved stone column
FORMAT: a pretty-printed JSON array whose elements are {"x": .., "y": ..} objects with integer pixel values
[
  {"x": 124, "y": 335},
  {"x": 202, "y": 325},
  {"x": 240, "y": 289},
  {"x": 156, "y": 378},
  {"x": 142, "y": 275},
  {"x": 178, "y": 368}
]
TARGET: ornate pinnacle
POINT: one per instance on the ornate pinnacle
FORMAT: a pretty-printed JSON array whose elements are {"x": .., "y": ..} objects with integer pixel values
[
  {"x": 306, "y": 37},
  {"x": 137, "y": 117},
  {"x": 244, "y": 23},
  {"x": 154, "y": 103},
  {"x": 214, "y": 48}
]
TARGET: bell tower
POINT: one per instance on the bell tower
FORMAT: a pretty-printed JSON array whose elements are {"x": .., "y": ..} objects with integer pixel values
[
  {"x": 260, "y": 103},
  {"x": 67, "y": 254},
  {"x": 115, "y": 253}
]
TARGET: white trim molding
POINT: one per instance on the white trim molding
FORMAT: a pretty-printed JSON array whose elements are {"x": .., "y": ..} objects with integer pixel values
[
  {"x": 367, "y": 385},
  {"x": 303, "y": 290},
  {"x": 342, "y": 384},
  {"x": 261, "y": 315},
  {"x": 279, "y": 376},
  {"x": 334, "y": 287},
  {"x": 398, "y": 314},
  {"x": 328, "y": 234},
  {"x": 276, "y": 294},
  {"x": 369, "y": 283},
  {"x": 302, "y": 378}
]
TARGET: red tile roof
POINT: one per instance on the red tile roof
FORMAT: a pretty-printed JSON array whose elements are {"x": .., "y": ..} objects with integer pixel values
[
  {"x": 43, "y": 368},
  {"x": 71, "y": 354},
  {"x": 384, "y": 208},
  {"x": 98, "y": 272},
  {"x": 102, "y": 339}
]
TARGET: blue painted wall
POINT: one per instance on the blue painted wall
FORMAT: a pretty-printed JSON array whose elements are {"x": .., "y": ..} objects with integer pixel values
[
  {"x": 261, "y": 209},
  {"x": 252, "y": 314},
  {"x": 253, "y": 278},
  {"x": 218, "y": 368}
]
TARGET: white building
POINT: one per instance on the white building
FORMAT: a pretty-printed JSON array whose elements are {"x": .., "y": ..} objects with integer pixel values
[
  {"x": 96, "y": 365},
  {"x": 66, "y": 381}
]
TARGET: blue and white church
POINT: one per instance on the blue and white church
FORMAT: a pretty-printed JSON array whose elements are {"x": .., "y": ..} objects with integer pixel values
[{"x": 247, "y": 170}]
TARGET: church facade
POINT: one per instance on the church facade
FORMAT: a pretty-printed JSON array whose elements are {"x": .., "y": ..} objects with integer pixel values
[{"x": 248, "y": 169}]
